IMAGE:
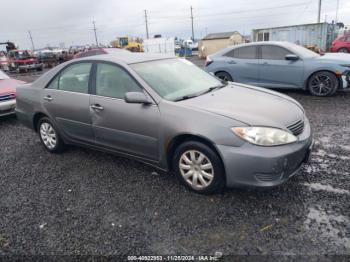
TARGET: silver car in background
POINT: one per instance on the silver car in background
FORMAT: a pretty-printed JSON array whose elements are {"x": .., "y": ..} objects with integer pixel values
[
  {"x": 167, "y": 112},
  {"x": 282, "y": 65}
]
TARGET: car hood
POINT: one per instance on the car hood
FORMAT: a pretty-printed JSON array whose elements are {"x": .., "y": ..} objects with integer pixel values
[
  {"x": 9, "y": 85},
  {"x": 338, "y": 58},
  {"x": 250, "y": 105}
]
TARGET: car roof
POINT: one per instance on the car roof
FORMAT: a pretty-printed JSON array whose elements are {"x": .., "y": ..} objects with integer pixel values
[
  {"x": 276, "y": 43},
  {"x": 279, "y": 43},
  {"x": 127, "y": 57}
]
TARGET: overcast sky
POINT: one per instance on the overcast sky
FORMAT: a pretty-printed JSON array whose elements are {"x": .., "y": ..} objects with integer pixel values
[{"x": 70, "y": 21}]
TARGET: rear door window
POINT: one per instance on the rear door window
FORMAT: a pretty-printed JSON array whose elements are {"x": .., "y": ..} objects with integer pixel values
[
  {"x": 75, "y": 78},
  {"x": 246, "y": 52}
]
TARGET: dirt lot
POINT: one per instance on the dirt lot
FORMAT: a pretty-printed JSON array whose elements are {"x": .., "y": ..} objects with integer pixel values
[{"x": 88, "y": 202}]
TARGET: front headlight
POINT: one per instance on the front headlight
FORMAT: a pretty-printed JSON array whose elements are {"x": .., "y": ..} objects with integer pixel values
[{"x": 264, "y": 136}]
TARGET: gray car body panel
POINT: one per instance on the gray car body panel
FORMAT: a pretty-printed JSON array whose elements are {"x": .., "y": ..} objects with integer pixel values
[
  {"x": 276, "y": 73},
  {"x": 146, "y": 132}
]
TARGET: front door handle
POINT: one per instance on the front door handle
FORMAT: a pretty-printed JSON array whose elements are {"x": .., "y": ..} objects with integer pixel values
[
  {"x": 96, "y": 107},
  {"x": 232, "y": 62},
  {"x": 48, "y": 98}
]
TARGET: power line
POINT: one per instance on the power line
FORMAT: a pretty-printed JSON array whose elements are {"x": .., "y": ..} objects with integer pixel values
[
  {"x": 31, "y": 39},
  {"x": 253, "y": 10},
  {"x": 146, "y": 24},
  {"x": 93, "y": 22},
  {"x": 192, "y": 23}
]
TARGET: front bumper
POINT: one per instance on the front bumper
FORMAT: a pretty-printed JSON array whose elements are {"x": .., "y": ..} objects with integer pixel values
[
  {"x": 346, "y": 79},
  {"x": 30, "y": 67},
  {"x": 256, "y": 166},
  {"x": 7, "y": 107}
]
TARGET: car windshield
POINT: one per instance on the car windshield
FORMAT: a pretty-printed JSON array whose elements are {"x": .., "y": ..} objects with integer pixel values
[
  {"x": 304, "y": 52},
  {"x": 174, "y": 79},
  {"x": 3, "y": 75}
]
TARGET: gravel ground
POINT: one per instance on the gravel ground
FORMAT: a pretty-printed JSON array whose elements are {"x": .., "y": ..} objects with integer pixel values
[{"x": 85, "y": 202}]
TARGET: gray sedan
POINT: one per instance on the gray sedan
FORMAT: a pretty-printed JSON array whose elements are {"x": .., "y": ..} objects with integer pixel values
[
  {"x": 282, "y": 65},
  {"x": 168, "y": 113}
]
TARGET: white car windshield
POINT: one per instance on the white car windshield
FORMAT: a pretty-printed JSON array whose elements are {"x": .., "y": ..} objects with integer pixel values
[
  {"x": 3, "y": 75},
  {"x": 174, "y": 79}
]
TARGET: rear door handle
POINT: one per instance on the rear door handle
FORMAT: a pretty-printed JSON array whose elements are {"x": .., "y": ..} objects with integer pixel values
[
  {"x": 48, "y": 98},
  {"x": 96, "y": 107},
  {"x": 231, "y": 62}
]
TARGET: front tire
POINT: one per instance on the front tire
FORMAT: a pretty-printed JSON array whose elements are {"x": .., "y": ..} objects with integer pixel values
[
  {"x": 49, "y": 136},
  {"x": 323, "y": 84},
  {"x": 224, "y": 76},
  {"x": 199, "y": 168}
]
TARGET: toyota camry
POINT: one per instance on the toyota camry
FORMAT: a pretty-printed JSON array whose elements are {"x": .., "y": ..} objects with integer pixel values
[{"x": 169, "y": 113}]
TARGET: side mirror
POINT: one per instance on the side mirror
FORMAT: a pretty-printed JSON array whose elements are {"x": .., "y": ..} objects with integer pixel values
[
  {"x": 137, "y": 98},
  {"x": 291, "y": 57}
]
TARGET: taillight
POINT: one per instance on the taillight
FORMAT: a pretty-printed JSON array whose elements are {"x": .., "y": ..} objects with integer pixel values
[{"x": 208, "y": 61}]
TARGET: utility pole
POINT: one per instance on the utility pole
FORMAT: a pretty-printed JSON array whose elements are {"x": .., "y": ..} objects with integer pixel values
[
  {"x": 192, "y": 23},
  {"x": 31, "y": 39},
  {"x": 93, "y": 22},
  {"x": 146, "y": 21},
  {"x": 336, "y": 12},
  {"x": 319, "y": 11}
]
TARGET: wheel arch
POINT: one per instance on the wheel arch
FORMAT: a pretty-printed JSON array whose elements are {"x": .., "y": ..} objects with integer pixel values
[
  {"x": 181, "y": 138},
  {"x": 36, "y": 118}
]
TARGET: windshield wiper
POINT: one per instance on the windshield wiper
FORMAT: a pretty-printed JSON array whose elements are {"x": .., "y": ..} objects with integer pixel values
[
  {"x": 184, "y": 98},
  {"x": 210, "y": 89}
]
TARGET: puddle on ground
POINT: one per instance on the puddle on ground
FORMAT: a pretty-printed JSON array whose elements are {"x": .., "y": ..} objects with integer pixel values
[
  {"x": 329, "y": 227},
  {"x": 328, "y": 188}
]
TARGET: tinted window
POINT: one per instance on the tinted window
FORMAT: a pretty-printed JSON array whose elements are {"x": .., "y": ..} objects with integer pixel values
[
  {"x": 274, "y": 52},
  {"x": 75, "y": 78},
  {"x": 247, "y": 52},
  {"x": 113, "y": 81}
]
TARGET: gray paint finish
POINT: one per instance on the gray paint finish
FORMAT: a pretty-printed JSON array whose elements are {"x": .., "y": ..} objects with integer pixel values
[{"x": 145, "y": 132}]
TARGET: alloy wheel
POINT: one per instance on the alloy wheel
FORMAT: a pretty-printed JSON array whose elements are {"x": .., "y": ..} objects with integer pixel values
[
  {"x": 48, "y": 135},
  {"x": 321, "y": 84},
  {"x": 196, "y": 169}
]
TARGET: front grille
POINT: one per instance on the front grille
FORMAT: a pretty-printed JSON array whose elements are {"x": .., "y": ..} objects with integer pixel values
[
  {"x": 297, "y": 128},
  {"x": 7, "y": 97}
]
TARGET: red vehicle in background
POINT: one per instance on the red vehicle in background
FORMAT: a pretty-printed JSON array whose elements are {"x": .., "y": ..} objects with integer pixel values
[
  {"x": 4, "y": 62},
  {"x": 8, "y": 94},
  {"x": 341, "y": 44},
  {"x": 23, "y": 61},
  {"x": 99, "y": 51}
]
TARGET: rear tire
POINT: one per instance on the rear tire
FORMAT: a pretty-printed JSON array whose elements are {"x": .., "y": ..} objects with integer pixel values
[
  {"x": 199, "y": 168},
  {"x": 343, "y": 50},
  {"x": 323, "y": 83},
  {"x": 49, "y": 136},
  {"x": 224, "y": 76}
]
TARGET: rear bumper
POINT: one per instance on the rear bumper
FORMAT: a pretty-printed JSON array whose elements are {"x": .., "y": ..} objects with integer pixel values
[
  {"x": 7, "y": 107},
  {"x": 256, "y": 166},
  {"x": 25, "y": 118}
]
